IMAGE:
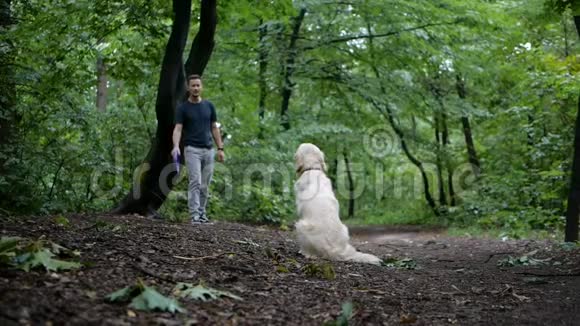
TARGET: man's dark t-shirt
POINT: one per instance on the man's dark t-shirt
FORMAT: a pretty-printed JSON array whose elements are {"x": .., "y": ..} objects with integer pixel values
[{"x": 196, "y": 119}]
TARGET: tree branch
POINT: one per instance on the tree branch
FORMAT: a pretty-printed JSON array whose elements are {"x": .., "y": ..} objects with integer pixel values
[{"x": 370, "y": 35}]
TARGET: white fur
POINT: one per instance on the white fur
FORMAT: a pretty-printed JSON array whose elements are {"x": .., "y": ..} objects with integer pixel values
[{"x": 319, "y": 229}]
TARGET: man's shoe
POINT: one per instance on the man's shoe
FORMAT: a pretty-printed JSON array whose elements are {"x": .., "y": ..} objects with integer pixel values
[{"x": 204, "y": 219}]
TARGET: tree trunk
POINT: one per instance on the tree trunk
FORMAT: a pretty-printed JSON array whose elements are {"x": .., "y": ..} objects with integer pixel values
[
  {"x": 263, "y": 65},
  {"x": 154, "y": 183},
  {"x": 574, "y": 195},
  {"x": 389, "y": 115},
  {"x": 413, "y": 160},
  {"x": 8, "y": 115},
  {"x": 446, "y": 142},
  {"x": 441, "y": 138},
  {"x": 333, "y": 172},
  {"x": 413, "y": 128},
  {"x": 350, "y": 186},
  {"x": 471, "y": 153},
  {"x": 439, "y": 165},
  {"x": 289, "y": 69},
  {"x": 565, "y": 26},
  {"x": 101, "y": 84},
  {"x": 203, "y": 43}
]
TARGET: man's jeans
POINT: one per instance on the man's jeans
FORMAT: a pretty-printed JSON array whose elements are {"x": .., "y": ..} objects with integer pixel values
[{"x": 199, "y": 163}]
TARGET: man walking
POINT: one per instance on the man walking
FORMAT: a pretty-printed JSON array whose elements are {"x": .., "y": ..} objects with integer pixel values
[{"x": 197, "y": 120}]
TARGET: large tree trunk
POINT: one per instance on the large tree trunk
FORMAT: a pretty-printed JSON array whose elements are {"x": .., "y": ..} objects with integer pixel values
[
  {"x": 574, "y": 195},
  {"x": 289, "y": 69},
  {"x": 153, "y": 183},
  {"x": 471, "y": 153},
  {"x": 203, "y": 43}
]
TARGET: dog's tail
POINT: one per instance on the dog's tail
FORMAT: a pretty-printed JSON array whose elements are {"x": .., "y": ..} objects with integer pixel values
[{"x": 361, "y": 257}]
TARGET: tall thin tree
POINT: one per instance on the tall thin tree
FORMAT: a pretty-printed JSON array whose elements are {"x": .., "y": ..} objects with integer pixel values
[
  {"x": 467, "y": 134},
  {"x": 573, "y": 213},
  {"x": 351, "y": 196},
  {"x": 263, "y": 66},
  {"x": 387, "y": 112},
  {"x": 287, "y": 84},
  {"x": 8, "y": 114}
]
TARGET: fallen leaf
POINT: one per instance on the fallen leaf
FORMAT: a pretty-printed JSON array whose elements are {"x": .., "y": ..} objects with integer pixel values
[
  {"x": 408, "y": 319},
  {"x": 200, "y": 292},
  {"x": 145, "y": 298},
  {"x": 150, "y": 299}
]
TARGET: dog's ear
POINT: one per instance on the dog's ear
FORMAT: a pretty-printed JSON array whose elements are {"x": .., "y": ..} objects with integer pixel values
[{"x": 298, "y": 162}]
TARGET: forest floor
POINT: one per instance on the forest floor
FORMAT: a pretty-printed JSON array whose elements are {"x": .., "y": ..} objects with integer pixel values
[{"x": 455, "y": 281}]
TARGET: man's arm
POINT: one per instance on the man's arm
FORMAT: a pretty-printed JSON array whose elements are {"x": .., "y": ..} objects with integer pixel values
[
  {"x": 176, "y": 138},
  {"x": 217, "y": 136}
]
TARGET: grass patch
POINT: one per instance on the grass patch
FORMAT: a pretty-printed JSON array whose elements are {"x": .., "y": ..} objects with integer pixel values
[{"x": 397, "y": 217}]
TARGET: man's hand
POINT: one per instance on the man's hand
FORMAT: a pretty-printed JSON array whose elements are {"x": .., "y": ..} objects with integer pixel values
[
  {"x": 221, "y": 157},
  {"x": 175, "y": 152}
]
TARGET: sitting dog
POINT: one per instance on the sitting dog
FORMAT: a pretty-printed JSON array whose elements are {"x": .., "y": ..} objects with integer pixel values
[{"x": 319, "y": 229}]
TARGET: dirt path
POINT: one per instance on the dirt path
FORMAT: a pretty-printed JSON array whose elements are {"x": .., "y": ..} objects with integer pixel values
[
  {"x": 390, "y": 234},
  {"x": 457, "y": 280}
]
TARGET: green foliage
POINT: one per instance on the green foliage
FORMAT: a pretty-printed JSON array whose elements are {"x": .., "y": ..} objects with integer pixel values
[
  {"x": 322, "y": 270},
  {"x": 262, "y": 205},
  {"x": 518, "y": 66},
  {"x": 26, "y": 254},
  {"x": 537, "y": 205},
  {"x": 62, "y": 221},
  {"x": 570, "y": 246},
  {"x": 345, "y": 315},
  {"x": 8, "y": 249},
  {"x": 145, "y": 298},
  {"x": 43, "y": 258},
  {"x": 201, "y": 292},
  {"x": 103, "y": 226},
  {"x": 525, "y": 260},
  {"x": 404, "y": 263},
  {"x": 560, "y": 6}
]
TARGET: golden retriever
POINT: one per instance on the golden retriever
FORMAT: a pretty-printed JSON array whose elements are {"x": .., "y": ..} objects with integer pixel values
[{"x": 319, "y": 230}]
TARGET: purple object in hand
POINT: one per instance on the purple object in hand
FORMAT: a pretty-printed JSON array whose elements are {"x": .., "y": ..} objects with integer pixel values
[{"x": 176, "y": 161}]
